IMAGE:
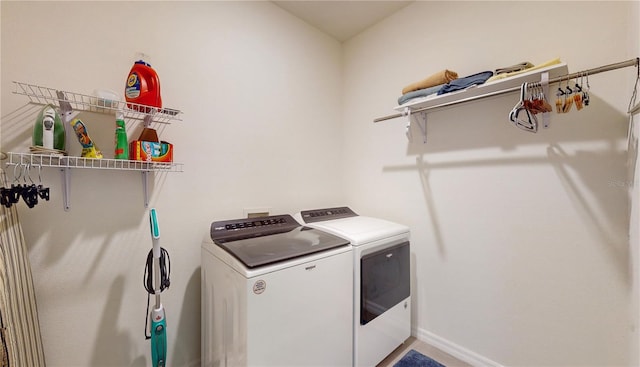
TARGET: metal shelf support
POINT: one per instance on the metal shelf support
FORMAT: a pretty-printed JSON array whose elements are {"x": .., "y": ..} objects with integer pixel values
[
  {"x": 65, "y": 164},
  {"x": 423, "y": 126},
  {"x": 145, "y": 188},
  {"x": 422, "y": 123},
  {"x": 66, "y": 188}
]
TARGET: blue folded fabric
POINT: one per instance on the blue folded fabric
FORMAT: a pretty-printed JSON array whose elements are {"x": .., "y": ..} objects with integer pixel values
[
  {"x": 466, "y": 82},
  {"x": 419, "y": 93}
]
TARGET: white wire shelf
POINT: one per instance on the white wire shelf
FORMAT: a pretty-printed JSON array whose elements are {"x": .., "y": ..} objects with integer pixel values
[
  {"x": 23, "y": 162},
  {"x": 43, "y": 160},
  {"x": 83, "y": 102}
]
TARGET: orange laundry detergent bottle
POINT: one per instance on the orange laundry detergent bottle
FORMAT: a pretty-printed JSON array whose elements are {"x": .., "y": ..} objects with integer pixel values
[{"x": 143, "y": 87}]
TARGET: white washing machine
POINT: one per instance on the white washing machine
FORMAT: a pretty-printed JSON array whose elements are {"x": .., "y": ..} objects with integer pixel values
[
  {"x": 381, "y": 275},
  {"x": 275, "y": 293}
]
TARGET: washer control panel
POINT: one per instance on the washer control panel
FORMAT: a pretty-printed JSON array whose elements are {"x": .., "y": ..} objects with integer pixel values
[{"x": 235, "y": 229}]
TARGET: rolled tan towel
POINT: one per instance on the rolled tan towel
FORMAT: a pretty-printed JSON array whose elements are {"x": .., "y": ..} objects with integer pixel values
[{"x": 443, "y": 77}]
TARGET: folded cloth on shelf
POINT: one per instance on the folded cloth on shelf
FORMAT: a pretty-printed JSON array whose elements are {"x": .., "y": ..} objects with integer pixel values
[
  {"x": 466, "y": 82},
  {"x": 419, "y": 93},
  {"x": 543, "y": 65},
  {"x": 517, "y": 67},
  {"x": 442, "y": 77}
]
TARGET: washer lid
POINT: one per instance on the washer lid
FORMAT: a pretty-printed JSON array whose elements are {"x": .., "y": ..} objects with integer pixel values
[{"x": 267, "y": 240}]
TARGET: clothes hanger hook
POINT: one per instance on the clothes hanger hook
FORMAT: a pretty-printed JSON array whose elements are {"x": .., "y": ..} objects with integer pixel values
[
  {"x": 28, "y": 174},
  {"x": 17, "y": 172}
]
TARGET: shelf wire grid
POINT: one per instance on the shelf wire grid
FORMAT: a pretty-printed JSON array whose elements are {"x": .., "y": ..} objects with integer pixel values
[
  {"x": 82, "y": 102},
  {"x": 43, "y": 160}
]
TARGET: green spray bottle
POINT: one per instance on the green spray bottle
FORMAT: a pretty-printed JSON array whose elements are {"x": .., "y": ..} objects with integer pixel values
[{"x": 122, "y": 146}]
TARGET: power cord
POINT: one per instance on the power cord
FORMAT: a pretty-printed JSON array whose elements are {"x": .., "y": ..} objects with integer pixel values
[
  {"x": 635, "y": 86},
  {"x": 147, "y": 280}
]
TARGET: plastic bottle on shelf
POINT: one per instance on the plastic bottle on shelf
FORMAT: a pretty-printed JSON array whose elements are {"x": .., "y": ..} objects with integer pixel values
[
  {"x": 121, "y": 144},
  {"x": 143, "y": 87},
  {"x": 89, "y": 149}
]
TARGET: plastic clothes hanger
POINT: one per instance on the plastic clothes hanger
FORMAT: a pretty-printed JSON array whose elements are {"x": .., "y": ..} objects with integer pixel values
[
  {"x": 585, "y": 94},
  {"x": 10, "y": 196},
  {"x": 546, "y": 107},
  {"x": 29, "y": 193},
  {"x": 577, "y": 97},
  {"x": 16, "y": 187},
  {"x": 532, "y": 103},
  {"x": 568, "y": 99},
  {"x": 537, "y": 102},
  {"x": 531, "y": 124},
  {"x": 43, "y": 192},
  {"x": 513, "y": 115},
  {"x": 559, "y": 95}
]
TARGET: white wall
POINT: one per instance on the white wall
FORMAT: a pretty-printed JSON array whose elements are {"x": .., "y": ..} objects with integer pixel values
[
  {"x": 260, "y": 91},
  {"x": 519, "y": 240}
]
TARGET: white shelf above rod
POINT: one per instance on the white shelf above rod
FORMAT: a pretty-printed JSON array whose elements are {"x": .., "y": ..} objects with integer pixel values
[{"x": 601, "y": 69}]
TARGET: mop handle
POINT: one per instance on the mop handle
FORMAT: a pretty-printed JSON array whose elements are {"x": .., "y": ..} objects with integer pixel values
[{"x": 155, "y": 237}]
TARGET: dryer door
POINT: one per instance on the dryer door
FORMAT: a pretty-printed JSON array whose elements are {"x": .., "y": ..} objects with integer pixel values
[{"x": 384, "y": 282}]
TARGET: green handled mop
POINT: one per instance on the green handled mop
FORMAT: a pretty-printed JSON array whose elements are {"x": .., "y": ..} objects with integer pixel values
[{"x": 155, "y": 285}]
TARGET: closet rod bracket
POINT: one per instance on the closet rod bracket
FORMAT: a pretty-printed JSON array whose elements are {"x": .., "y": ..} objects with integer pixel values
[
  {"x": 422, "y": 123},
  {"x": 544, "y": 83}
]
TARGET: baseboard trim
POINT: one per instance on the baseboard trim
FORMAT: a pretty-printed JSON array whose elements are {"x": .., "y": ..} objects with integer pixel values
[{"x": 453, "y": 349}]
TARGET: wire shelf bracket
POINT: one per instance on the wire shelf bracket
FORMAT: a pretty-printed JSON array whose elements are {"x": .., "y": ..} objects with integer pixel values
[{"x": 65, "y": 164}]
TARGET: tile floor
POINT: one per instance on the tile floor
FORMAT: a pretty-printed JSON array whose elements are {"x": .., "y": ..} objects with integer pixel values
[{"x": 424, "y": 348}]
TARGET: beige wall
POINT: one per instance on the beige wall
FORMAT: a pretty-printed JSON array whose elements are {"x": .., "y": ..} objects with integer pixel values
[
  {"x": 260, "y": 91},
  {"x": 519, "y": 241}
]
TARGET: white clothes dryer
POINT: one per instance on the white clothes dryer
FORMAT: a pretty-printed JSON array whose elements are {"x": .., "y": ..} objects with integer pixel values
[
  {"x": 275, "y": 293},
  {"x": 381, "y": 279}
]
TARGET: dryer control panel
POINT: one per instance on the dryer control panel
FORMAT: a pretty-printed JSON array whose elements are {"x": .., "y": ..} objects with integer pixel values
[{"x": 318, "y": 215}]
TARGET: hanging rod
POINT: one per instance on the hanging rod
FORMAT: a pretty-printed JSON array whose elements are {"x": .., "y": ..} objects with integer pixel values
[{"x": 601, "y": 69}]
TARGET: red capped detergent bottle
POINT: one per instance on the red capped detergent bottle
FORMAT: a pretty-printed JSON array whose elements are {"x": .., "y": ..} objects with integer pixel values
[{"x": 143, "y": 87}]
